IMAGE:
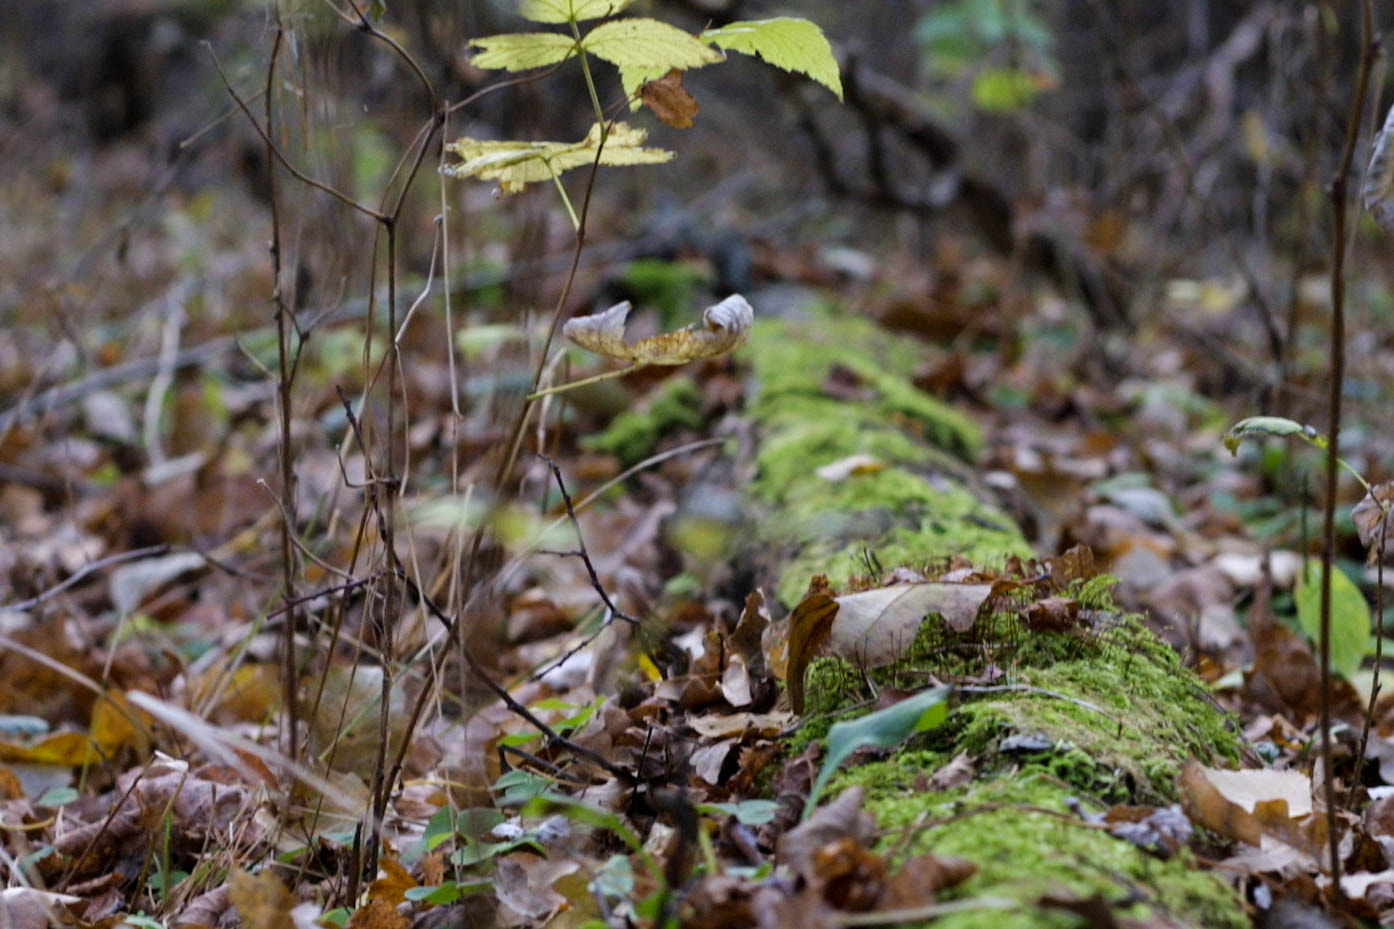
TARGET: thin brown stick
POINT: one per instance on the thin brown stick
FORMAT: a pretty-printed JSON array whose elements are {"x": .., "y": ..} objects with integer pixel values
[{"x": 1338, "y": 193}]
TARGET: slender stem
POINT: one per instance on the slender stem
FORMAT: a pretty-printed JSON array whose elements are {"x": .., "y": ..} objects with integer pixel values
[
  {"x": 1338, "y": 192},
  {"x": 594, "y": 378}
]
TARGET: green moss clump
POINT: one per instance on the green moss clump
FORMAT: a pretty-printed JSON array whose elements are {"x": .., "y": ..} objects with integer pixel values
[
  {"x": 916, "y": 510},
  {"x": 634, "y": 434},
  {"x": 1026, "y": 844}
]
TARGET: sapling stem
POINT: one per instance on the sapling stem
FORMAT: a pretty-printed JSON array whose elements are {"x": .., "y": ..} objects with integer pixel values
[{"x": 594, "y": 378}]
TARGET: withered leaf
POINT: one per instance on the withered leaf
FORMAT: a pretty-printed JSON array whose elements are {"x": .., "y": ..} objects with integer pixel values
[
  {"x": 670, "y": 101},
  {"x": 262, "y": 900},
  {"x": 1243, "y": 804},
  {"x": 725, "y": 326},
  {"x": 1369, "y": 514},
  {"x": 808, "y": 631},
  {"x": 874, "y": 627}
]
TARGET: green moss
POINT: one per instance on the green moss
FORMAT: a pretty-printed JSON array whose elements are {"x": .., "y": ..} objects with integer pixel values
[
  {"x": 1026, "y": 844},
  {"x": 798, "y": 358},
  {"x": 1113, "y": 712},
  {"x": 915, "y": 511},
  {"x": 633, "y": 434},
  {"x": 671, "y": 286}
]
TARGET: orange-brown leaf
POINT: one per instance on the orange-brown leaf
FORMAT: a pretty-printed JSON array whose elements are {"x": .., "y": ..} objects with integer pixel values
[
  {"x": 809, "y": 626},
  {"x": 669, "y": 100}
]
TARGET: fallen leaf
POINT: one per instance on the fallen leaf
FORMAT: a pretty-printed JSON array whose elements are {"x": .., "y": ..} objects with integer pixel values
[
  {"x": 876, "y": 626},
  {"x": 262, "y": 900},
  {"x": 735, "y": 682},
  {"x": 920, "y": 878},
  {"x": 843, "y": 468},
  {"x": 725, "y": 326},
  {"x": 378, "y": 914},
  {"x": 1241, "y": 804},
  {"x": 842, "y": 818},
  {"x": 848, "y": 875},
  {"x": 393, "y": 885},
  {"x": 809, "y": 626},
  {"x": 31, "y": 908},
  {"x": 1370, "y": 514},
  {"x": 956, "y": 773}
]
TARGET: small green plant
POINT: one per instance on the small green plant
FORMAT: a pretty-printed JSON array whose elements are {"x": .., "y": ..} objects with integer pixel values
[
  {"x": 651, "y": 57},
  {"x": 1350, "y": 613}
]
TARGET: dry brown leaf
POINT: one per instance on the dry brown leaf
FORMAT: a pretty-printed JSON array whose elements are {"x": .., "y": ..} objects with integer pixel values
[
  {"x": 670, "y": 101},
  {"x": 523, "y": 884},
  {"x": 708, "y": 760},
  {"x": 392, "y": 887},
  {"x": 262, "y": 900},
  {"x": 875, "y": 627},
  {"x": 843, "y": 818},
  {"x": 849, "y": 876},
  {"x": 956, "y": 773},
  {"x": 920, "y": 878},
  {"x": 30, "y": 908},
  {"x": 745, "y": 640},
  {"x": 1245, "y": 804},
  {"x": 809, "y": 626},
  {"x": 378, "y": 914},
  {"x": 724, "y": 327},
  {"x": 1369, "y": 514}
]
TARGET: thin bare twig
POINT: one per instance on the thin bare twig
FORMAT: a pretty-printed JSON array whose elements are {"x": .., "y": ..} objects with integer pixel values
[
  {"x": 1338, "y": 192},
  {"x": 81, "y": 573}
]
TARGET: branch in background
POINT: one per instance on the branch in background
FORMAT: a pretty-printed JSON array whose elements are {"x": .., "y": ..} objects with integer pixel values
[
  {"x": 1370, "y": 41},
  {"x": 885, "y": 104}
]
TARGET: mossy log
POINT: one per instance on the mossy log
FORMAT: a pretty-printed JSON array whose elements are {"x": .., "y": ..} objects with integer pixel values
[
  {"x": 1067, "y": 721},
  {"x": 1060, "y": 720}
]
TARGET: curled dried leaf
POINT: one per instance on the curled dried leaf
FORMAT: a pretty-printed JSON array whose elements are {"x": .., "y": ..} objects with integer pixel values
[
  {"x": 725, "y": 326},
  {"x": 1372, "y": 518},
  {"x": 669, "y": 100}
]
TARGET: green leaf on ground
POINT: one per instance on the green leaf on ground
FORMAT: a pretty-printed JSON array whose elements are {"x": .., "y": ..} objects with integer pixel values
[
  {"x": 883, "y": 729},
  {"x": 1350, "y": 616}
]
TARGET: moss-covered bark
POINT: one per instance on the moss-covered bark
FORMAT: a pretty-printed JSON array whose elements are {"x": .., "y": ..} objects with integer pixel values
[
  {"x": 1064, "y": 717},
  {"x": 1097, "y": 713}
]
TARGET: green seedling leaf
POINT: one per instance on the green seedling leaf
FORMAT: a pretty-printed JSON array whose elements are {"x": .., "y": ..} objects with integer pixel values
[
  {"x": 336, "y": 917},
  {"x": 747, "y": 812},
  {"x": 1270, "y": 425},
  {"x": 1350, "y": 616},
  {"x": 519, "y": 786},
  {"x": 883, "y": 729},
  {"x": 569, "y": 11},
  {"x": 517, "y": 164},
  {"x": 1002, "y": 90},
  {"x": 141, "y": 921},
  {"x": 650, "y": 45},
  {"x": 522, "y": 51},
  {"x": 446, "y": 893},
  {"x": 57, "y": 796},
  {"x": 785, "y": 42},
  {"x": 439, "y": 828}
]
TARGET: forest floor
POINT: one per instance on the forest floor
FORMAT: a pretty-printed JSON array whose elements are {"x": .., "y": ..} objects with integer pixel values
[{"x": 577, "y": 700}]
